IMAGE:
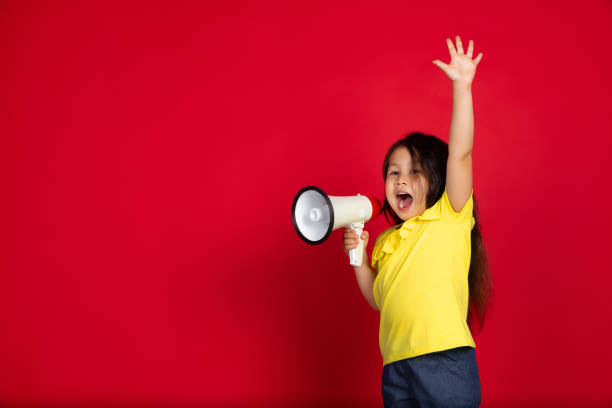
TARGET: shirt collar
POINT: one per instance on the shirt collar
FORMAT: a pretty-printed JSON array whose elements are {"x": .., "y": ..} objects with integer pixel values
[
  {"x": 429, "y": 214},
  {"x": 401, "y": 233}
]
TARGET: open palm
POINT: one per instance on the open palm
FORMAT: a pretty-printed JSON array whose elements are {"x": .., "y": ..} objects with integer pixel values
[{"x": 461, "y": 68}]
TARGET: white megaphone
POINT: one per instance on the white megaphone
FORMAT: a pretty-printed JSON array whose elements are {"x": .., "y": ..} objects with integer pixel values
[{"x": 315, "y": 215}]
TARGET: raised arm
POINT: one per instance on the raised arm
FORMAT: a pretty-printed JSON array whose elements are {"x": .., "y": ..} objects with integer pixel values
[{"x": 461, "y": 71}]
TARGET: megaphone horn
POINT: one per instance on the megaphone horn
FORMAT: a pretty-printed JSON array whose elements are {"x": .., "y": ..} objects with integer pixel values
[{"x": 315, "y": 215}]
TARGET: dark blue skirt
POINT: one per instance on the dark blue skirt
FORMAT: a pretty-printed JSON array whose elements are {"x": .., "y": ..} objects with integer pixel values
[{"x": 447, "y": 378}]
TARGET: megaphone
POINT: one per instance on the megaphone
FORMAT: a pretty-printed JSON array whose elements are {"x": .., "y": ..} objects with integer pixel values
[{"x": 315, "y": 215}]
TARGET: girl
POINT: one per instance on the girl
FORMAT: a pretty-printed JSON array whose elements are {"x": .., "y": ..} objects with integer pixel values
[{"x": 431, "y": 264}]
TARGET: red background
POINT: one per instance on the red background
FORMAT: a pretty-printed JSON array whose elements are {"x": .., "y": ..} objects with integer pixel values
[{"x": 151, "y": 153}]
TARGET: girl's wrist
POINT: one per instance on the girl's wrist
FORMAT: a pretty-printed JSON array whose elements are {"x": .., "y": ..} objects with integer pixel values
[{"x": 462, "y": 86}]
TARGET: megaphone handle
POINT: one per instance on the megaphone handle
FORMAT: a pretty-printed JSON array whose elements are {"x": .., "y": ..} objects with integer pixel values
[{"x": 356, "y": 255}]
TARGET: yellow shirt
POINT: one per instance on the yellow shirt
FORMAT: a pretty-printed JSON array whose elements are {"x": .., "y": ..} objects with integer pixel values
[{"x": 421, "y": 288}]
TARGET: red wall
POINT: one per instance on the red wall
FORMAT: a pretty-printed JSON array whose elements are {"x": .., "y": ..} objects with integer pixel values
[{"x": 151, "y": 154}]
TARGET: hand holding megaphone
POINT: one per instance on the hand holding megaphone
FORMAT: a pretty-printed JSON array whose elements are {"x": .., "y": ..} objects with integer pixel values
[
  {"x": 352, "y": 241},
  {"x": 315, "y": 215}
]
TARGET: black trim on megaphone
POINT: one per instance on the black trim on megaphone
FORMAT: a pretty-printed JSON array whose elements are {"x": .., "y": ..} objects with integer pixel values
[{"x": 331, "y": 215}]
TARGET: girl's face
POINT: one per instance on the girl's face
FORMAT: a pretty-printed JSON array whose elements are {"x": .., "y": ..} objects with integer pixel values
[{"x": 406, "y": 186}]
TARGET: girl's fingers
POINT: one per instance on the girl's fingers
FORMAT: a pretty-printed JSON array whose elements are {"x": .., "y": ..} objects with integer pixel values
[
  {"x": 459, "y": 45},
  {"x": 478, "y": 58},
  {"x": 451, "y": 47},
  {"x": 440, "y": 65},
  {"x": 470, "y": 49}
]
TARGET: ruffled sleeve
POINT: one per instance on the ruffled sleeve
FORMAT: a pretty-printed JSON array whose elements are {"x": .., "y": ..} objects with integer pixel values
[
  {"x": 377, "y": 252},
  {"x": 464, "y": 216}
]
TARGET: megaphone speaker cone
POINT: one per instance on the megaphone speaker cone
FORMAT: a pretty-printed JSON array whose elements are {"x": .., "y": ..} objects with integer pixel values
[{"x": 312, "y": 215}]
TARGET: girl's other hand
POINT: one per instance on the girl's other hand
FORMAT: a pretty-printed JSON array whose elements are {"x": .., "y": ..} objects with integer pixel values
[
  {"x": 351, "y": 241},
  {"x": 461, "y": 68}
]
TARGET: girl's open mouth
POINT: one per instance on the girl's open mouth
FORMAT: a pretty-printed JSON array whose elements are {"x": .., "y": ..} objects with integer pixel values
[{"x": 404, "y": 201}]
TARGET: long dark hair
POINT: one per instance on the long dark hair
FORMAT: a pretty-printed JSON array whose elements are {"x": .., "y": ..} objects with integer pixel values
[{"x": 432, "y": 153}]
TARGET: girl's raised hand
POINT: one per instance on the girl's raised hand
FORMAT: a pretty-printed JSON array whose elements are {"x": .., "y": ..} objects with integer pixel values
[{"x": 461, "y": 68}]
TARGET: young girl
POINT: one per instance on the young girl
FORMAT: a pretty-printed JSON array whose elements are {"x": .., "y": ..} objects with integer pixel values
[{"x": 431, "y": 264}]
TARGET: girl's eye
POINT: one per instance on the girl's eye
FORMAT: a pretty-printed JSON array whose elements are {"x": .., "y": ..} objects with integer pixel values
[{"x": 414, "y": 171}]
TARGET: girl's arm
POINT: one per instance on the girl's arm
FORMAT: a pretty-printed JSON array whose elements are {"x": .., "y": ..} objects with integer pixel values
[
  {"x": 461, "y": 71},
  {"x": 365, "y": 274}
]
